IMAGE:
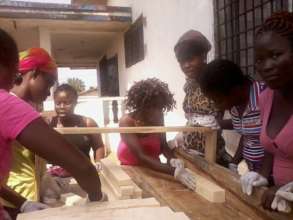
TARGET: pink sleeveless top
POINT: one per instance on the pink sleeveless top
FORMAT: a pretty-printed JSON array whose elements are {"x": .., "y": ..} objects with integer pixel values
[
  {"x": 281, "y": 147},
  {"x": 150, "y": 144}
]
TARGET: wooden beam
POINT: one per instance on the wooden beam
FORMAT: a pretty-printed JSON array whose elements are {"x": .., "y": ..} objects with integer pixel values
[
  {"x": 147, "y": 129},
  {"x": 207, "y": 189},
  {"x": 211, "y": 146},
  {"x": 89, "y": 208}
]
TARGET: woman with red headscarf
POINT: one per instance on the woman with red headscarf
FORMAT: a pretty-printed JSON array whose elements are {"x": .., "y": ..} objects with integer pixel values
[{"x": 37, "y": 74}]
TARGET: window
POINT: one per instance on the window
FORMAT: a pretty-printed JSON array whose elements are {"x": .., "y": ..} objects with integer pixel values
[
  {"x": 236, "y": 22},
  {"x": 133, "y": 43}
]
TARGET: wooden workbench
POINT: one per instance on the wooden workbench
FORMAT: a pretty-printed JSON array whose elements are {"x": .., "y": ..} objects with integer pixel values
[{"x": 171, "y": 193}]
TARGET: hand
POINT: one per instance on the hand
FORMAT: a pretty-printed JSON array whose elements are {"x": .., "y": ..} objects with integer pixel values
[
  {"x": 98, "y": 166},
  {"x": 103, "y": 199},
  {"x": 30, "y": 206},
  {"x": 233, "y": 167},
  {"x": 185, "y": 177},
  {"x": 252, "y": 179},
  {"x": 283, "y": 197},
  {"x": 268, "y": 197},
  {"x": 176, "y": 163}
]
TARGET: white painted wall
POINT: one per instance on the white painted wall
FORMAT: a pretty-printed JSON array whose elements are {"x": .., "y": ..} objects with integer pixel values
[{"x": 166, "y": 21}]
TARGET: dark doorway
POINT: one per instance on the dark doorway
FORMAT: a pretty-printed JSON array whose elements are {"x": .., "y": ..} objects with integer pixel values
[{"x": 109, "y": 76}]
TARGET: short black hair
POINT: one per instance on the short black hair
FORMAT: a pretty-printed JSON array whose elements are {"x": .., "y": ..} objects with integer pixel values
[
  {"x": 188, "y": 50},
  {"x": 221, "y": 76},
  {"x": 149, "y": 93},
  {"x": 8, "y": 50},
  {"x": 66, "y": 88}
]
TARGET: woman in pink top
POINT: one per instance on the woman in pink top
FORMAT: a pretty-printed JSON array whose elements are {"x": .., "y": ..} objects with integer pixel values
[
  {"x": 19, "y": 121},
  {"x": 147, "y": 100},
  {"x": 274, "y": 63}
]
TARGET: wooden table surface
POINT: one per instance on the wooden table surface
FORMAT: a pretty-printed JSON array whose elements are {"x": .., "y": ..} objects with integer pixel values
[{"x": 171, "y": 193}]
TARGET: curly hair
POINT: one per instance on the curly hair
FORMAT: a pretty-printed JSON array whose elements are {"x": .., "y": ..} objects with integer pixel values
[
  {"x": 149, "y": 93},
  {"x": 280, "y": 23}
]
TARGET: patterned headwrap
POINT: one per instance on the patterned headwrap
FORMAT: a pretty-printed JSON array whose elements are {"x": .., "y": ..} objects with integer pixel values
[{"x": 37, "y": 59}]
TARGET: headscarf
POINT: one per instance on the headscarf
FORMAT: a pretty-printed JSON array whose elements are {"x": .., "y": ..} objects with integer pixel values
[
  {"x": 37, "y": 59},
  {"x": 191, "y": 42}
]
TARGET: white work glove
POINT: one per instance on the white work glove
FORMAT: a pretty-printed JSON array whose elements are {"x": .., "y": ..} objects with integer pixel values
[
  {"x": 185, "y": 177},
  {"x": 252, "y": 179},
  {"x": 283, "y": 197},
  {"x": 182, "y": 175},
  {"x": 176, "y": 163},
  {"x": 233, "y": 167},
  {"x": 30, "y": 206},
  {"x": 98, "y": 166}
]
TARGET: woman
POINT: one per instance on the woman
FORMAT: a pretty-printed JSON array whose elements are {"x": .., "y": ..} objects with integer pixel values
[
  {"x": 274, "y": 63},
  {"x": 223, "y": 82},
  {"x": 191, "y": 52},
  {"x": 65, "y": 99},
  {"x": 147, "y": 100},
  {"x": 19, "y": 121}
]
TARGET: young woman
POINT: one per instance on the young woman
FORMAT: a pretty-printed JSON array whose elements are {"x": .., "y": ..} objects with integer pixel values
[
  {"x": 191, "y": 52},
  {"x": 19, "y": 121},
  {"x": 147, "y": 100},
  {"x": 65, "y": 99},
  {"x": 223, "y": 82},
  {"x": 274, "y": 63}
]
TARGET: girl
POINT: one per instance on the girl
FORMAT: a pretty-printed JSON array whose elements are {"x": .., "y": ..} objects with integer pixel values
[
  {"x": 224, "y": 83},
  {"x": 191, "y": 52},
  {"x": 274, "y": 63},
  {"x": 147, "y": 100},
  {"x": 65, "y": 98}
]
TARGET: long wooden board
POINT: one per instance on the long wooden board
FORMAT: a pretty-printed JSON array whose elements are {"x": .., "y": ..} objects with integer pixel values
[
  {"x": 146, "y": 129},
  {"x": 144, "y": 213},
  {"x": 90, "y": 207}
]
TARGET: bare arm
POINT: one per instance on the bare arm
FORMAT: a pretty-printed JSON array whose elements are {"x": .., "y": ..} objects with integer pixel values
[
  {"x": 98, "y": 145},
  {"x": 47, "y": 143},
  {"x": 225, "y": 124},
  {"x": 238, "y": 155},
  {"x": 133, "y": 143},
  {"x": 267, "y": 165}
]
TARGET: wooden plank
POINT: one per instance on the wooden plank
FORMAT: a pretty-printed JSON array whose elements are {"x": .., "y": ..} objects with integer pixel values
[
  {"x": 231, "y": 182},
  {"x": 115, "y": 173},
  {"x": 90, "y": 207},
  {"x": 146, "y": 129},
  {"x": 211, "y": 146},
  {"x": 144, "y": 213},
  {"x": 171, "y": 193},
  {"x": 208, "y": 189}
]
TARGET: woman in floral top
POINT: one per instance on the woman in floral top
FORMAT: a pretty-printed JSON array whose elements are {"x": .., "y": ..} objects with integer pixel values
[{"x": 191, "y": 52}]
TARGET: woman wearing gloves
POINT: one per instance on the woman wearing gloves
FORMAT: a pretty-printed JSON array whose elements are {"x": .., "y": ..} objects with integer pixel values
[
  {"x": 224, "y": 83},
  {"x": 19, "y": 121},
  {"x": 147, "y": 100},
  {"x": 274, "y": 63},
  {"x": 191, "y": 52}
]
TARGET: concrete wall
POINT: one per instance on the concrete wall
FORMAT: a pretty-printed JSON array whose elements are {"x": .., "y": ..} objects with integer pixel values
[{"x": 166, "y": 21}]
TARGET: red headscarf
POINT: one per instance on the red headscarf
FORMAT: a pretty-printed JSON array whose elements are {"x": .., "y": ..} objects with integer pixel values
[{"x": 37, "y": 59}]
